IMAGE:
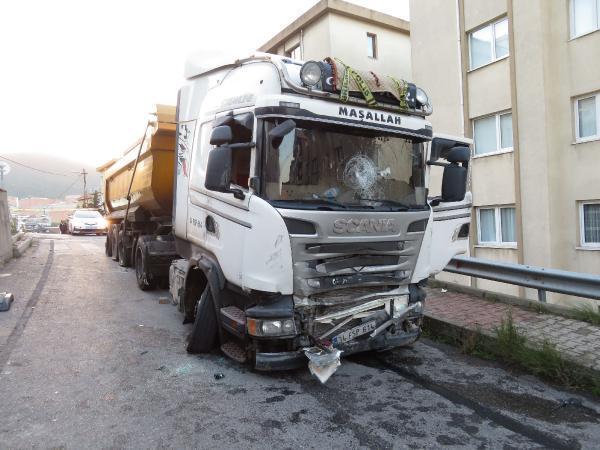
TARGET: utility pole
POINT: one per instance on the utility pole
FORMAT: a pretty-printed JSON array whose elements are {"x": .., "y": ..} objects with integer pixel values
[
  {"x": 4, "y": 170},
  {"x": 84, "y": 173}
]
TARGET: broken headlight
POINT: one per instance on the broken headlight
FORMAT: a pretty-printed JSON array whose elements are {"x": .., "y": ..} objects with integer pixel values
[{"x": 271, "y": 327}]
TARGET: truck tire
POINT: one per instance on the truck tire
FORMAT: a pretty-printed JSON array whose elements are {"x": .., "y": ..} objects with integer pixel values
[
  {"x": 144, "y": 281},
  {"x": 108, "y": 245},
  {"x": 204, "y": 333},
  {"x": 114, "y": 231},
  {"x": 123, "y": 256}
]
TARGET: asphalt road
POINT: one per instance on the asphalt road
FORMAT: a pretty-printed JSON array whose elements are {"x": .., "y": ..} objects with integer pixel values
[{"x": 89, "y": 361}]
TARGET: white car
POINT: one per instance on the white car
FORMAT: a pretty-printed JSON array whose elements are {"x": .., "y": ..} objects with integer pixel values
[{"x": 87, "y": 221}]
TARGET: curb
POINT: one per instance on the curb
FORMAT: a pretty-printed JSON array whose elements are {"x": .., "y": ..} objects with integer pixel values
[
  {"x": 463, "y": 336},
  {"x": 20, "y": 247}
]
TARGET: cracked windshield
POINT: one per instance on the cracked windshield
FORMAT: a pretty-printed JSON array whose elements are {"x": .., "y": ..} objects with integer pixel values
[{"x": 339, "y": 168}]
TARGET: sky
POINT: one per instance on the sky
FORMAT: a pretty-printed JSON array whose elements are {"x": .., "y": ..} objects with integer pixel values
[{"x": 78, "y": 78}]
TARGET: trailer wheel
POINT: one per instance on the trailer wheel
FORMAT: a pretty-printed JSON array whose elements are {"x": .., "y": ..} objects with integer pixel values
[
  {"x": 145, "y": 283},
  {"x": 108, "y": 247},
  {"x": 114, "y": 231},
  {"x": 123, "y": 257},
  {"x": 204, "y": 333}
]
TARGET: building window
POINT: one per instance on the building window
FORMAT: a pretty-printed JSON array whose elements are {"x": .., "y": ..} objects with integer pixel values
[
  {"x": 294, "y": 52},
  {"x": 493, "y": 134},
  {"x": 496, "y": 226},
  {"x": 372, "y": 45},
  {"x": 590, "y": 224},
  {"x": 587, "y": 118},
  {"x": 585, "y": 17},
  {"x": 488, "y": 44}
]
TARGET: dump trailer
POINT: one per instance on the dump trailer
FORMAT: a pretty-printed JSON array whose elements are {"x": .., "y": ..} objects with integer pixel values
[
  {"x": 301, "y": 225},
  {"x": 138, "y": 199}
]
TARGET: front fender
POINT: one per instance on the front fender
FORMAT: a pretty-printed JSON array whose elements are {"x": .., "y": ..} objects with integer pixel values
[{"x": 267, "y": 251}]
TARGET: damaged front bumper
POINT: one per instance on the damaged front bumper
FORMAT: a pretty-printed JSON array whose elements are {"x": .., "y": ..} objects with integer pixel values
[{"x": 378, "y": 324}]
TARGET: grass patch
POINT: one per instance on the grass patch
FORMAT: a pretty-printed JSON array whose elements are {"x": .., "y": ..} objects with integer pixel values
[
  {"x": 510, "y": 346},
  {"x": 587, "y": 313},
  {"x": 545, "y": 361}
]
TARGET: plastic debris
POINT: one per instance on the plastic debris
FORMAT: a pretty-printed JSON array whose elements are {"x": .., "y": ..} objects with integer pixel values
[
  {"x": 322, "y": 362},
  {"x": 144, "y": 352},
  {"x": 444, "y": 290},
  {"x": 6, "y": 299},
  {"x": 219, "y": 375}
]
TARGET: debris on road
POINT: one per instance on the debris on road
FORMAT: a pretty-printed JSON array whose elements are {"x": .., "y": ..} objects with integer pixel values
[
  {"x": 6, "y": 299},
  {"x": 144, "y": 352},
  {"x": 164, "y": 300},
  {"x": 184, "y": 370},
  {"x": 569, "y": 402},
  {"x": 323, "y": 362},
  {"x": 219, "y": 375}
]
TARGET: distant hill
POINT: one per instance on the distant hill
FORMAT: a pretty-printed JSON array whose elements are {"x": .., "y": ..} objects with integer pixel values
[{"x": 23, "y": 182}]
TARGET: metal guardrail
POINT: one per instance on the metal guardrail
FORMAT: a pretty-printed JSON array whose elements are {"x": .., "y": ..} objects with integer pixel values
[{"x": 540, "y": 278}]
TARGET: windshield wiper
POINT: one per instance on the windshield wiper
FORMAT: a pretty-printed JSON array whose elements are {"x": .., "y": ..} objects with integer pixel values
[
  {"x": 390, "y": 203},
  {"x": 310, "y": 203}
]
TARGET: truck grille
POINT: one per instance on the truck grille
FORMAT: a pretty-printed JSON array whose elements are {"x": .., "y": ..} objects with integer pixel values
[{"x": 321, "y": 267}]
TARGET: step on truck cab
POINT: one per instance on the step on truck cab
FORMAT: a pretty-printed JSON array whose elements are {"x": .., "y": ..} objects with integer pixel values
[{"x": 301, "y": 209}]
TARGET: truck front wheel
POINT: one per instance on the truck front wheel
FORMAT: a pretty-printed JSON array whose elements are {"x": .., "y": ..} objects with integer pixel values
[{"x": 204, "y": 333}]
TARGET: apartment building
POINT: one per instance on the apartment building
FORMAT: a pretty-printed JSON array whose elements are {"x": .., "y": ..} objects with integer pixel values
[
  {"x": 522, "y": 78},
  {"x": 360, "y": 37}
]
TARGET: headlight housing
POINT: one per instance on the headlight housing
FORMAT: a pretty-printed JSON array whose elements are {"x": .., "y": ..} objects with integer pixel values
[
  {"x": 310, "y": 73},
  {"x": 423, "y": 101},
  {"x": 271, "y": 327}
]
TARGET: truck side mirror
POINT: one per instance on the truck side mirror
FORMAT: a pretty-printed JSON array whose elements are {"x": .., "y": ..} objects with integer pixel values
[
  {"x": 221, "y": 135},
  {"x": 454, "y": 180},
  {"x": 277, "y": 134},
  {"x": 459, "y": 155},
  {"x": 218, "y": 169},
  {"x": 454, "y": 183}
]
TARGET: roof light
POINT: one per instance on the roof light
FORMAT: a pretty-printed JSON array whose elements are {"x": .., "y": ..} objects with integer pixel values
[
  {"x": 423, "y": 101},
  {"x": 310, "y": 74}
]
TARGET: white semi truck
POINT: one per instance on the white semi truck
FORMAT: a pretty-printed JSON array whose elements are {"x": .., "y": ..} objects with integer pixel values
[{"x": 301, "y": 221}]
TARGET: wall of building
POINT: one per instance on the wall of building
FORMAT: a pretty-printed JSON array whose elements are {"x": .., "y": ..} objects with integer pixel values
[
  {"x": 548, "y": 174},
  {"x": 316, "y": 42},
  {"x": 566, "y": 173},
  {"x": 348, "y": 39},
  {"x": 5, "y": 237}
]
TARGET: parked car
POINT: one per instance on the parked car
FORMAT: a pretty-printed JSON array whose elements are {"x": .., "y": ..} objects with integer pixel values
[
  {"x": 43, "y": 224},
  {"x": 30, "y": 224},
  {"x": 87, "y": 221}
]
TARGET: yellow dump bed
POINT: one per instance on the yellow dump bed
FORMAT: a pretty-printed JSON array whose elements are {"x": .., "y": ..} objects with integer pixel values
[{"x": 152, "y": 187}]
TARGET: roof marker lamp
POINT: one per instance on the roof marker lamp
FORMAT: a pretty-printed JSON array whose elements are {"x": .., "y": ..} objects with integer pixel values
[
  {"x": 310, "y": 74},
  {"x": 423, "y": 101}
]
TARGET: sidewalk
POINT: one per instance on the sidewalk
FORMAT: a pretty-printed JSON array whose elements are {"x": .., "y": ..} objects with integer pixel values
[{"x": 576, "y": 340}]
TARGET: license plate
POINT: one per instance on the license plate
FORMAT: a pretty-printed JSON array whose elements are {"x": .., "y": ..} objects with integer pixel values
[{"x": 352, "y": 333}]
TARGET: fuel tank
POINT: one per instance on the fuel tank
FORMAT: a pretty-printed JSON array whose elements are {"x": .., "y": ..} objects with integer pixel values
[{"x": 152, "y": 187}]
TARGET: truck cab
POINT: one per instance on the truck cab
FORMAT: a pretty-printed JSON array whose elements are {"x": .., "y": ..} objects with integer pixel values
[{"x": 301, "y": 209}]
